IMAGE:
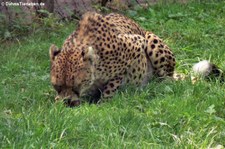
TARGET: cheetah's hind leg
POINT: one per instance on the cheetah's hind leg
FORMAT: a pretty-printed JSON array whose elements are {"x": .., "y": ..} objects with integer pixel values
[{"x": 160, "y": 56}]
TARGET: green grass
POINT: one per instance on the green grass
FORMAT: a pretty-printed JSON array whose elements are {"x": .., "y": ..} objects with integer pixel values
[{"x": 162, "y": 115}]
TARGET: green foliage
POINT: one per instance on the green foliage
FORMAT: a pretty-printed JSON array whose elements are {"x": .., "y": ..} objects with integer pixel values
[
  {"x": 100, "y": 8},
  {"x": 49, "y": 23},
  {"x": 162, "y": 115},
  {"x": 20, "y": 27},
  {"x": 10, "y": 28}
]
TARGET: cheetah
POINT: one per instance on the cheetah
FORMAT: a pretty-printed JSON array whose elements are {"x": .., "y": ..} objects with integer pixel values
[{"x": 104, "y": 53}]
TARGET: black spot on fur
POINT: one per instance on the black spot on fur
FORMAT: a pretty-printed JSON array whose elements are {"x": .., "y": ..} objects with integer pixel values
[
  {"x": 107, "y": 92},
  {"x": 140, "y": 76},
  {"x": 162, "y": 59},
  {"x": 155, "y": 41},
  {"x": 139, "y": 49},
  {"x": 111, "y": 85},
  {"x": 153, "y": 46}
]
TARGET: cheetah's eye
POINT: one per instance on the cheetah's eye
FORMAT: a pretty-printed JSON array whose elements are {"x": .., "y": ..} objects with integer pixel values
[{"x": 58, "y": 88}]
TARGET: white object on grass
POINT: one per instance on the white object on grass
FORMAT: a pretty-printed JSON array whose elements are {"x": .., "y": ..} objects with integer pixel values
[{"x": 202, "y": 68}]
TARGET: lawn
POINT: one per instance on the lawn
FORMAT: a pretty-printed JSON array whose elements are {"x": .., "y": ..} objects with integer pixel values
[{"x": 163, "y": 114}]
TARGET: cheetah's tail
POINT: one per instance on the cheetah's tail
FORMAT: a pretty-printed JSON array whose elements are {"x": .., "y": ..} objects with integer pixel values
[{"x": 203, "y": 69}]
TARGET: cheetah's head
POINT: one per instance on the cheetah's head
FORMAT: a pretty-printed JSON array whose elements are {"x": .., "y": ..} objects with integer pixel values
[{"x": 72, "y": 71}]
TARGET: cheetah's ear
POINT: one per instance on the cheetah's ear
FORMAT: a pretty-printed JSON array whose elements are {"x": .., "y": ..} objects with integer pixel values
[
  {"x": 90, "y": 55},
  {"x": 53, "y": 52}
]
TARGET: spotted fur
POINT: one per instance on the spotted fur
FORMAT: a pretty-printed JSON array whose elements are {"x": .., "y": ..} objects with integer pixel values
[{"x": 106, "y": 52}]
